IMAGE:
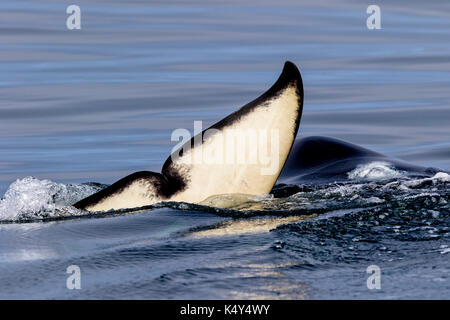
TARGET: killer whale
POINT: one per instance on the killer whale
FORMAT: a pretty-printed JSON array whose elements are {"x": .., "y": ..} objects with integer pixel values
[
  {"x": 323, "y": 159},
  {"x": 278, "y": 110},
  {"x": 311, "y": 159}
]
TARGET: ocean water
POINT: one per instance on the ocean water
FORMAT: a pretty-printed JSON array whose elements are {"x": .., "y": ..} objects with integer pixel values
[{"x": 80, "y": 109}]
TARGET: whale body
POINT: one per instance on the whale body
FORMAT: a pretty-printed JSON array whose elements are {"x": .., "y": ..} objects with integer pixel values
[
  {"x": 275, "y": 114},
  {"x": 324, "y": 159}
]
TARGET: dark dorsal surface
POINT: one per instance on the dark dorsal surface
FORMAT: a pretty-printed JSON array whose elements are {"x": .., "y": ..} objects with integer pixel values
[{"x": 324, "y": 159}]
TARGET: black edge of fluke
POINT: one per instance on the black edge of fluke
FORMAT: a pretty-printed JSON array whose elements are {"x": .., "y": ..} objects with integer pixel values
[
  {"x": 293, "y": 73},
  {"x": 289, "y": 74}
]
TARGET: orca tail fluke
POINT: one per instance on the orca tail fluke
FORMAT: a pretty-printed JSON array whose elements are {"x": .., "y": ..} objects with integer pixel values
[{"x": 262, "y": 131}]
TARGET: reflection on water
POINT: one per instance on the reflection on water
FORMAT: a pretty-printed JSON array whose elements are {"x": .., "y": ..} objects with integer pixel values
[
  {"x": 279, "y": 289},
  {"x": 236, "y": 227}
]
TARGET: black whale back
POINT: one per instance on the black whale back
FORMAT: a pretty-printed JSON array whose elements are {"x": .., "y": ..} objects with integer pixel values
[{"x": 323, "y": 159}]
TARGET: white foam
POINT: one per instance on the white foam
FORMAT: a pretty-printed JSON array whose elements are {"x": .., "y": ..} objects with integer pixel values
[
  {"x": 377, "y": 170},
  {"x": 441, "y": 176},
  {"x": 30, "y": 198}
]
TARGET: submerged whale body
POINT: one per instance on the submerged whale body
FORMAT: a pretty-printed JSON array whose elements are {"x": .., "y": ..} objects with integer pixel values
[
  {"x": 181, "y": 179},
  {"x": 323, "y": 159}
]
